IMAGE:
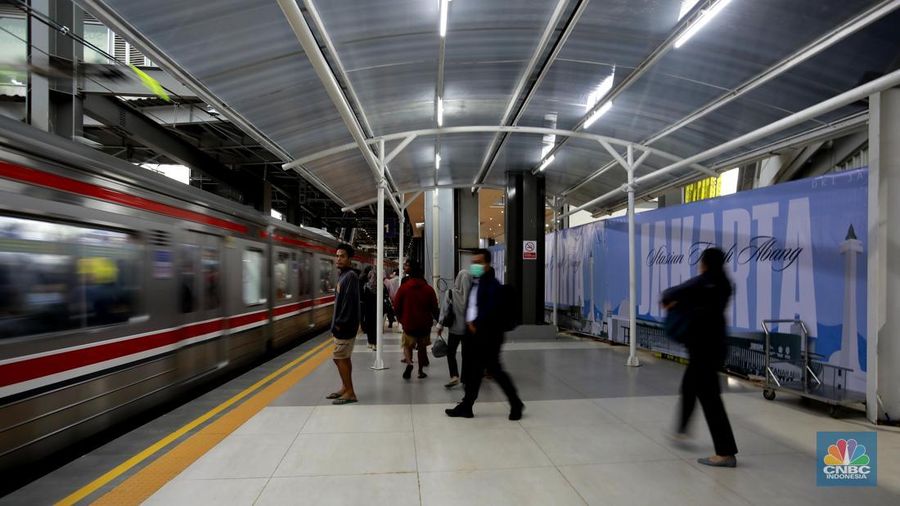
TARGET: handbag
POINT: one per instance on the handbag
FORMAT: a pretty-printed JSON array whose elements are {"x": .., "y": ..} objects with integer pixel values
[
  {"x": 439, "y": 348},
  {"x": 450, "y": 317}
]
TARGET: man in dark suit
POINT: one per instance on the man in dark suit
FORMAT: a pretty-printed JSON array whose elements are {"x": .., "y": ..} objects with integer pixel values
[{"x": 484, "y": 337}]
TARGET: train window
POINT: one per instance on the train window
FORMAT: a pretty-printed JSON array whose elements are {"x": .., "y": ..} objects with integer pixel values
[
  {"x": 56, "y": 277},
  {"x": 280, "y": 276},
  {"x": 304, "y": 271},
  {"x": 254, "y": 291},
  {"x": 326, "y": 276},
  {"x": 211, "y": 277}
]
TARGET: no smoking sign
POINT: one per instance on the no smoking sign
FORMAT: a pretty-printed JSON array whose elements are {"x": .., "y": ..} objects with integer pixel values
[{"x": 529, "y": 250}]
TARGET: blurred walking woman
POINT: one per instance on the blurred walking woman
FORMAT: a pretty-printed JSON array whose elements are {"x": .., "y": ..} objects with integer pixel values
[
  {"x": 696, "y": 317},
  {"x": 453, "y": 315}
]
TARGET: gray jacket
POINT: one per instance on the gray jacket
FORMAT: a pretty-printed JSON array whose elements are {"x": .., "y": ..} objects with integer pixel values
[{"x": 459, "y": 308}]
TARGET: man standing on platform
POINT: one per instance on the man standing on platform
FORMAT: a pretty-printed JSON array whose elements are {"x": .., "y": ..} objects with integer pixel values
[
  {"x": 345, "y": 323},
  {"x": 484, "y": 336}
]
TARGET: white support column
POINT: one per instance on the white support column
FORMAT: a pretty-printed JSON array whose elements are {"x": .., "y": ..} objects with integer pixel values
[
  {"x": 379, "y": 267},
  {"x": 435, "y": 239},
  {"x": 883, "y": 277},
  {"x": 632, "y": 267},
  {"x": 402, "y": 229},
  {"x": 555, "y": 266}
]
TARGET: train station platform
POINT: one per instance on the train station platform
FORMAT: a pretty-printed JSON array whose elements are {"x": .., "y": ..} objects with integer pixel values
[{"x": 593, "y": 432}]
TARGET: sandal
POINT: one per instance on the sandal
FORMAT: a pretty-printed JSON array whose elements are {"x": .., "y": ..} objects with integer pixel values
[
  {"x": 333, "y": 395},
  {"x": 340, "y": 402}
]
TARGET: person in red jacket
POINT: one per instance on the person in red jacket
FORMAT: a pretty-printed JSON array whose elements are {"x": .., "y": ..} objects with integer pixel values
[{"x": 416, "y": 308}]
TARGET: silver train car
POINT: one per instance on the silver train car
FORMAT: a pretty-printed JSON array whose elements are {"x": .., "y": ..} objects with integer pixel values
[{"x": 121, "y": 290}]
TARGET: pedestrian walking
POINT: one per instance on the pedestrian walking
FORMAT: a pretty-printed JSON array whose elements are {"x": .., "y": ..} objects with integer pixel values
[
  {"x": 483, "y": 338},
  {"x": 345, "y": 323},
  {"x": 696, "y": 317},
  {"x": 453, "y": 318},
  {"x": 417, "y": 308}
]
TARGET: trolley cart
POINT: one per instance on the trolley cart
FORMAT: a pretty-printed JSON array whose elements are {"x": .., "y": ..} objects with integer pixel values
[{"x": 805, "y": 376}]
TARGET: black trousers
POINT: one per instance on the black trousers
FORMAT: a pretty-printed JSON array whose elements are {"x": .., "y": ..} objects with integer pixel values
[
  {"x": 453, "y": 341},
  {"x": 481, "y": 352},
  {"x": 701, "y": 382}
]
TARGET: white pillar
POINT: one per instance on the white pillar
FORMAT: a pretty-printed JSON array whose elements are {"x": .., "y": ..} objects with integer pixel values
[
  {"x": 379, "y": 266},
  {"x": 402, "y": 228},
  {"x": 632, "y": 268},
  {"x": 555, "y": 264},
  {"x": 435, "y": 240},
  {"x": 883, "y": 283}
]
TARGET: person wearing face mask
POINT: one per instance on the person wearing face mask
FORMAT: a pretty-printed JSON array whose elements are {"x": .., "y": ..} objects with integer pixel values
[{"x": 483, "y": 338}]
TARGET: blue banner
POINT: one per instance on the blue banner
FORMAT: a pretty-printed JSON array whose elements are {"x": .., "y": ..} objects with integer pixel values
[{"x": 795, "y": 250}]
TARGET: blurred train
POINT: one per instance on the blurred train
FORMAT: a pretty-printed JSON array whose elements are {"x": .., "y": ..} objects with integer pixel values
[{"x": 120, "y": 289}]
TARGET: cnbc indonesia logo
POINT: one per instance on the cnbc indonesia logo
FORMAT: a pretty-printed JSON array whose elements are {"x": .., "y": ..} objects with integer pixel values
[{"x": 847, "y": 461}]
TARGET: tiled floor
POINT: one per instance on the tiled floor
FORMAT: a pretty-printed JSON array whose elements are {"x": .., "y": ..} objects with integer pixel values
[{"x": 593, "y": 433}]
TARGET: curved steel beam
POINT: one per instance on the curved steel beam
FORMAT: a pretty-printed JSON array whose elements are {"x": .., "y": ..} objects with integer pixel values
[{"x": 492, "y": 129}]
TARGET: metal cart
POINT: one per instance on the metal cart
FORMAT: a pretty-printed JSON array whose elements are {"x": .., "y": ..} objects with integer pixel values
[{"x": 805, "y": 375}]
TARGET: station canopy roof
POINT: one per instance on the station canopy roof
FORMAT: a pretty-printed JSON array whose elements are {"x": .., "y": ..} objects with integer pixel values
[{"x": 530, "y": 63}]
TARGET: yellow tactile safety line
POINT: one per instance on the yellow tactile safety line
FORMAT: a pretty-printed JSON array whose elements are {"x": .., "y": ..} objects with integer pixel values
[{"x": 145, "y": 482}]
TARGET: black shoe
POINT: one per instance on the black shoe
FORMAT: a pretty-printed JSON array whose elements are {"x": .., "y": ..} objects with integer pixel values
[
  {"x": 422, "y": 375},
  {"x": 515, "y": 413},
  {"x": 408, "y": 372},
  {"x": 460, "y": 411}
]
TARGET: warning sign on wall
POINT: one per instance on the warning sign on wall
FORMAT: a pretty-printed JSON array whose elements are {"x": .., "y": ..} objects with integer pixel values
[{"x": 529, "y": 250}]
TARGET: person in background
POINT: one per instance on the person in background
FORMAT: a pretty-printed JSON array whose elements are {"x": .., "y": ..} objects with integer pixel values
[
  {"x": 369, "y": 295},
  {"x": 417, "y": 307},
  {"x": 484, "y": 338},
  {"x": 345, "y": 323},
  {"x": 454, "y": 303},
  {"x": 702, "y": 300},
  {"x": 390, "y": 290}
]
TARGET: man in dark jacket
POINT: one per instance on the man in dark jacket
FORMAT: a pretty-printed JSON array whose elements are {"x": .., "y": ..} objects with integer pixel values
[
  {"x": 483, "y": 338},
  {"x": 417, "y": 308},
  {"x": 345, "y": 323}
]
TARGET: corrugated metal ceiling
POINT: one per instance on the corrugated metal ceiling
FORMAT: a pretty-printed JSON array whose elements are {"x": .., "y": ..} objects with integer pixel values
[{"x": 245, "y": 52}]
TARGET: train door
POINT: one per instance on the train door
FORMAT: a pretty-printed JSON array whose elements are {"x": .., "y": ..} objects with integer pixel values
[{"x": 200, "y": 303}]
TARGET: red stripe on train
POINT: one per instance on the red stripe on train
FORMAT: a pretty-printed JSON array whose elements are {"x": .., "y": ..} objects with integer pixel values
[
  {"x": 33, "y": 176},
  {"x": 33, "y": 368}
]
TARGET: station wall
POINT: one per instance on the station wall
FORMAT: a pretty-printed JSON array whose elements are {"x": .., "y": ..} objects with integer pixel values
[{"x": 795, "y": 250}]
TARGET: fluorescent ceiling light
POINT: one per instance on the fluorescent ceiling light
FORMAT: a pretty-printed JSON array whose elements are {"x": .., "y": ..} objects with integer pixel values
[
  {"x": 602, "y": 89},
  {"x": 597, "y": 96},
  {"x": 275, "y": 214},
  {"x": 437, "y": 161},
  {"x": 548, "y": 142},
  {"x": 701, "y": 21},
  {"x": 444, "y": 6},
  {"x": 547, "y": 162},
  {"x": 686, "y": 6},
  {"x": 599, "y": 112},
  {"x": 440, "y": 112}
]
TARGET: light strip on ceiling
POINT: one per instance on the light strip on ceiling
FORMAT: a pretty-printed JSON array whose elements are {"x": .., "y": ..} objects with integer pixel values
[
  {"x": 547, "y": 162},
  {"x": 596, "y": 96},
  {"x": 701, "y": 21},
  {"x": 437, "y": 161},
  {"x": 444, "y": 6},
  {"x": 440, "y": 112}
]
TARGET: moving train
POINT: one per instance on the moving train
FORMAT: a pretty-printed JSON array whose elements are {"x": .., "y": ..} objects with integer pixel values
[{"x": 121, "y": 289}]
